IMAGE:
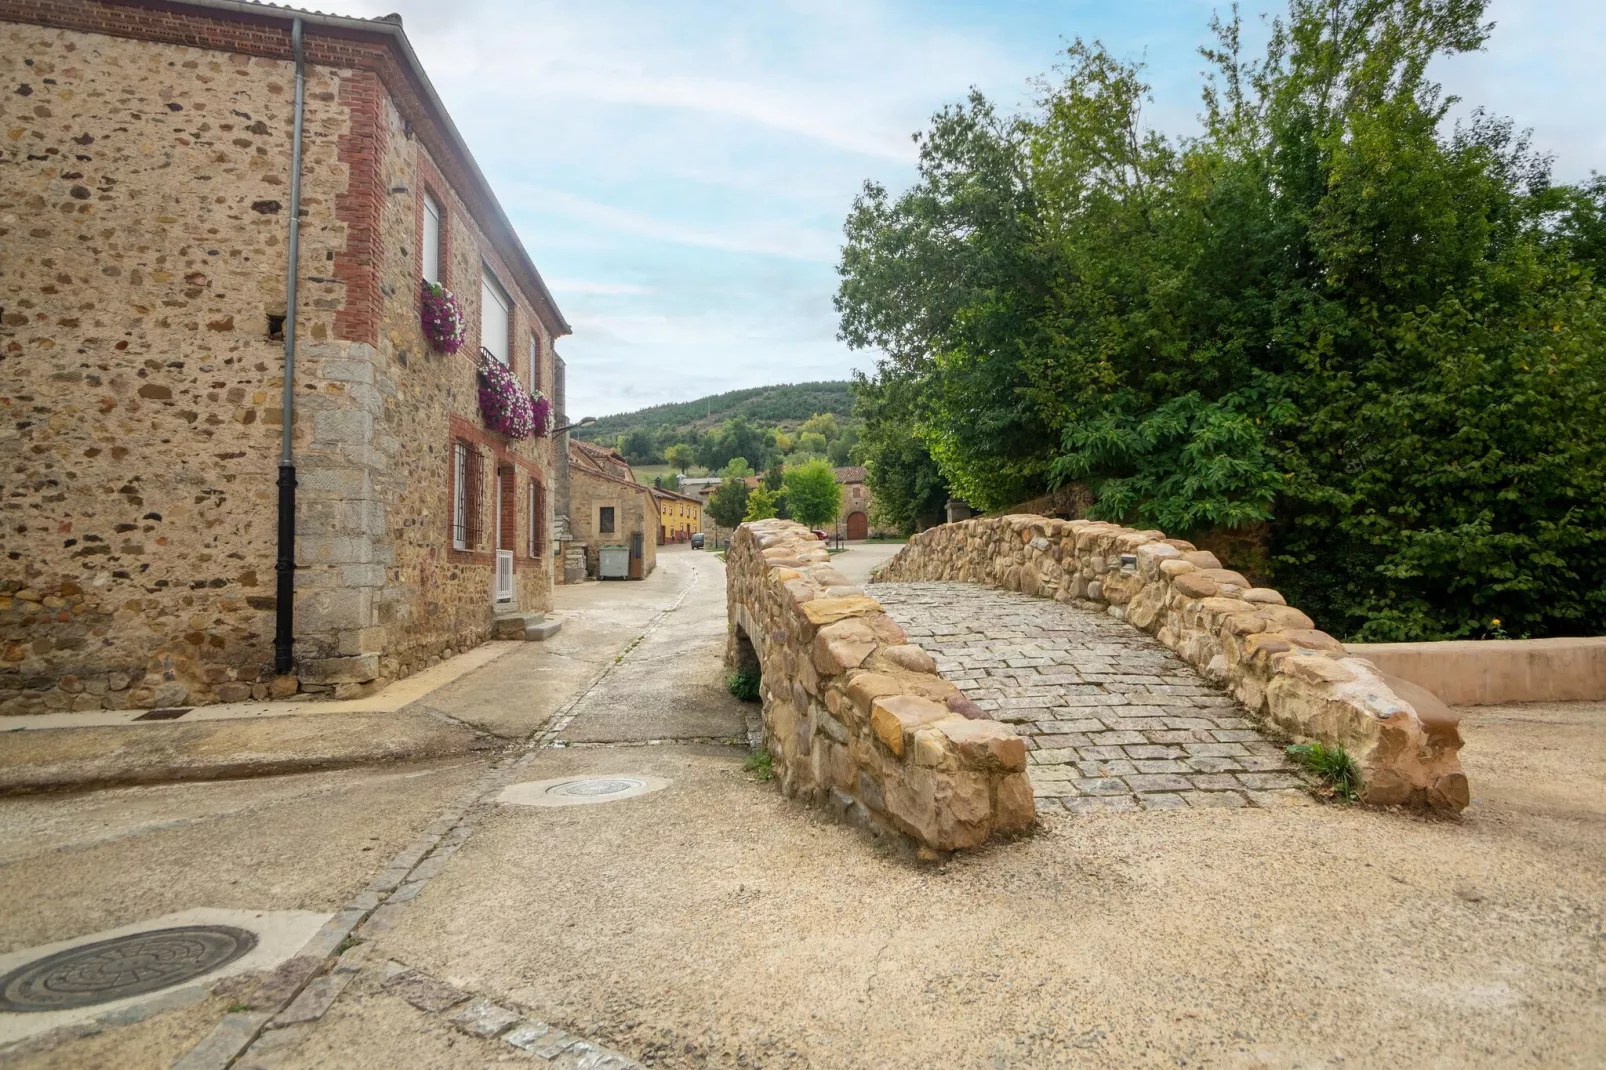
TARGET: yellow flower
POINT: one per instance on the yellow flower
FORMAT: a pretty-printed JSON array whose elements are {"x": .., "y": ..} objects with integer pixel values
[{"x": 1495, "y": 623}]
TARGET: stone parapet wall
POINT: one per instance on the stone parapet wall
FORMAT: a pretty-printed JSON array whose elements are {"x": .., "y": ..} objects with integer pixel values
[
  {"x": 1298, "y": 680},
  {"x": 854, "y": 716}
]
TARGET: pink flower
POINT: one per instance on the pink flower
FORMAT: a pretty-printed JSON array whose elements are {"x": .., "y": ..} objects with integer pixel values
[
  {"x": 441, "y": 317},
  {"x": 507, "y": 406}
]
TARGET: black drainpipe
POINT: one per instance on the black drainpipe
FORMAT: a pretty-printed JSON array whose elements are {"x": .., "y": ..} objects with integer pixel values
[{"x": 285, "y": 608}]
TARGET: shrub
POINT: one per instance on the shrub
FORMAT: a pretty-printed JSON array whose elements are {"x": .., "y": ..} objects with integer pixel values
[{"x": 744, "y": 684}]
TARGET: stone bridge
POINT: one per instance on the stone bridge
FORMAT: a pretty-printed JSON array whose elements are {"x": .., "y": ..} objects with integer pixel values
[{"x": 1142, "y": 673}]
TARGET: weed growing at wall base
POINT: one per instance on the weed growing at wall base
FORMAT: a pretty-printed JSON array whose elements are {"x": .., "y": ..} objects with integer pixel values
[
  {"x": 744, "y": 684},
  {"x": 1333, "y": 765},
  {"x": 759, "y": 764}
]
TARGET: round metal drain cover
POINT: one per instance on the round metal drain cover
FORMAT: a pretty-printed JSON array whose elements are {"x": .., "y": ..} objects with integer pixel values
[
  {"x": 124, "y": 966},
  {"x": 604, "y": 786},
  {"x": 579, "y": 791}
]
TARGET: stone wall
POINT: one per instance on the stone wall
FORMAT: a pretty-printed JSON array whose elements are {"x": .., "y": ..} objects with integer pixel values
[
  {"x": 143, "y": 222},
  {"x": 855, "y": 718},
  {"x": 1296, "y": 679},
  {"x": 633, "y": 514},
  {"x": 143, "y": 216}
]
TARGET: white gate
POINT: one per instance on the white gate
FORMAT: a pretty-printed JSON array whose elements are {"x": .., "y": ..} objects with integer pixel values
[{"x": 504, "y": 575}]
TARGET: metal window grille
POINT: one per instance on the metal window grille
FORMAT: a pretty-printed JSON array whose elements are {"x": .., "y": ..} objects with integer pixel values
[{"x": 466, "y": 474}]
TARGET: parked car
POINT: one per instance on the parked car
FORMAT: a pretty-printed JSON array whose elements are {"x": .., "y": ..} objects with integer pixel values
[
  {"x": 821, "y": 535},
  {"x": 696, "y": 540}
]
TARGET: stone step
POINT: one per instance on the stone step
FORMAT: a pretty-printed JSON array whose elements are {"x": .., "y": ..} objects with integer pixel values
[{"x": 531, "y": 627}]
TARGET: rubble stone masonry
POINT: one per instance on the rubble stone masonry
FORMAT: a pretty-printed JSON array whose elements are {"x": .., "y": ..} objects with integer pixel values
[
  {"x": 144, "y": 190},
  {"x": 1296, "y": 680},
  {"x": 855, "y": 717}
]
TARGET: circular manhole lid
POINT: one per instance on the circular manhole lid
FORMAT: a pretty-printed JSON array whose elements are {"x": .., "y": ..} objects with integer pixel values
[
  {"x": 580, "y": 791},
  {"x": 123, "y": 966}
]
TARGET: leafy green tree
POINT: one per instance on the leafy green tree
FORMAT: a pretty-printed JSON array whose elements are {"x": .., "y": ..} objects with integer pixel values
[
  {"x": 736, "y": 468},
  {"x": 775, "y": 476},
  {"x": 762, "y": 503},
  {"x": 811, "y": 442},
  {"x": 728, "y": 504},
  {"x": 680, "y": 456},
  {"x": 638, "y": 447},
  {"x": 823, "y": 424},
  {"x": 841, "y": 449},
  {"x": 1329, "y": 313},
  {"x": 909, "y": 491},
  {"x": 812, "y": 494}
]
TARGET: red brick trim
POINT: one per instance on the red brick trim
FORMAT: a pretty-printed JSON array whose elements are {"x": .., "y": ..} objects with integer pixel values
[
  {"x": 360, "y": 207},
  {"x": 461, "y": 429},
  {"x": 429, "y": 181},
  {"x": 268, "y": 35}
]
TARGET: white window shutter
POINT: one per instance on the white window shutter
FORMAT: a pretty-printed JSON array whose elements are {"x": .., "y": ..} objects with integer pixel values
[
  {"x": 430, "y": 255},
  {"x": 495, "y": 317}
]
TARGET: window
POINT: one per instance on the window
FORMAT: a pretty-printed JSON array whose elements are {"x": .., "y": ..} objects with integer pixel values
[
  {"x": 537, "y": 519},
  {"x": 496, "y": 317},
  {"x": 430, "y": 254},
  {"x": 465, "y": 496},
  {"x": 535, "y": 363},
  {"x": 605, "y": 520}
]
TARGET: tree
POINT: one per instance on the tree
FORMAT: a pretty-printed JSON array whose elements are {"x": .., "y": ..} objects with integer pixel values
[
  {"x": 728, "y": 504},
  {"x": 762, "y": 503},
  {"x": 908, "y": 489},
  {"x": 638, "y": 447},
  {"x": 737, "y": 468},
  {"x": 823, "y": 424},
  {"x": 680, "y": 456},
  {"x": 812, "y": 443},
  {"x": 1329, "y": 317},
  {"x": 841, "y": 451},
  {"x": 812, "y": 494}
]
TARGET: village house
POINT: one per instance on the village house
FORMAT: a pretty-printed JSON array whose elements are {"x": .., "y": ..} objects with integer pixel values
[
  {"x": 678, "y": 515},
  {"x": 146, "y": 198},
  {"x": 854, "y": 520},
  {"x": 609, "y": 508}
]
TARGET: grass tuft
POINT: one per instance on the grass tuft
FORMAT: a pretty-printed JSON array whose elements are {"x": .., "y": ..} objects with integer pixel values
[
  {"x": 760, "y": 765},
  {"x": 744, "y": 684},
  {"x": 1333, "y": 765}
]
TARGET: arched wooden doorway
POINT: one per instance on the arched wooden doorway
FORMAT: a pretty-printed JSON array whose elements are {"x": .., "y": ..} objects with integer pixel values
[{"x": 858, "y": 526}]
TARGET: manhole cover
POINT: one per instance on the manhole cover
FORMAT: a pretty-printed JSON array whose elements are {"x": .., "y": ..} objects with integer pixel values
[
  {"x": 578, "y": 791},
  {"x": 124, "y": 966},
  {"x": 595, "y": 787}
]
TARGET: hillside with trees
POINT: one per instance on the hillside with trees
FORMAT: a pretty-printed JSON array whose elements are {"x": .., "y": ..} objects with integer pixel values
[
  {"x": 790, "y": 423},
  {"x": 1333, "y": 317}
]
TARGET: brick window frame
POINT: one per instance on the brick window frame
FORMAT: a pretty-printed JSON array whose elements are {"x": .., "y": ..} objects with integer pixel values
[
  {"x": 494, "y": 453},
  {"x": 493, "y": 290},
  {"x": 465, "y": 490},
  {"x": 429, "y": 193}
]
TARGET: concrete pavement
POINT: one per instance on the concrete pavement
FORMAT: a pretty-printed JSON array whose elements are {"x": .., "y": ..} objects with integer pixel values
[{"x": 713, "y": 923}]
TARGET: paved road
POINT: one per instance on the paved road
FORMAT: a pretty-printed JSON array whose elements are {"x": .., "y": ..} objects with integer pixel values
[
  {"x": 1114, "y": 720},
  {"x": 712, "y": 923}
]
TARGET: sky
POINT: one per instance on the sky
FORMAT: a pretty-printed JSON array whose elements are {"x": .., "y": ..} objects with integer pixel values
[{"x": 680, "y": 172}]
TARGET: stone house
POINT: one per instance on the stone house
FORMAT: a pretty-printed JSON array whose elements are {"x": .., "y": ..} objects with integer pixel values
[
  {"x": 854, "y": 521},
  {"x": 608, "y": 507},
  {"x": 144, "y": 213},
  {"x": 678, "y": 515}
]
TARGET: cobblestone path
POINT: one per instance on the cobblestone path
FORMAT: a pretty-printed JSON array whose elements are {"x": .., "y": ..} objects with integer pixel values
[{"x": 1112, "y": 719}]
